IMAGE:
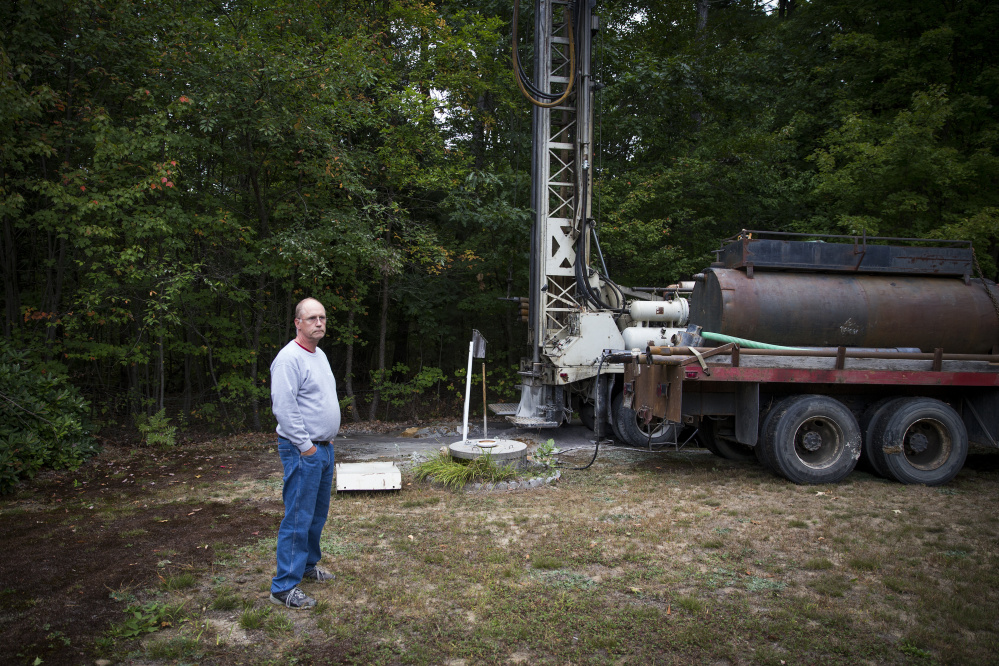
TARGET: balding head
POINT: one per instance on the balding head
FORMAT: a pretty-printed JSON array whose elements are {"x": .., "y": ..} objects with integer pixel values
[{"x": 302, "y": 304}]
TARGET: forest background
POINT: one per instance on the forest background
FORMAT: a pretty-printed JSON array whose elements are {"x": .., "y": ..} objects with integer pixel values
[{"x": 176, "y": 175}]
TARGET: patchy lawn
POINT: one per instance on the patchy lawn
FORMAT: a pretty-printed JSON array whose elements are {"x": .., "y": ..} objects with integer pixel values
[{"x": 667, "y": 558}]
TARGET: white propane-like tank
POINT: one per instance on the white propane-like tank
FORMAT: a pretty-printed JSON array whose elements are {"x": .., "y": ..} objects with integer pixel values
[
  {"x": 675, "y": 311},
  {"x": 671, "y": 313},
  {"x": 639, "y": 337}
]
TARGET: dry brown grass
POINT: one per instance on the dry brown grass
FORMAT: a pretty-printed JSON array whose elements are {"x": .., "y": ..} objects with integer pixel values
[{"x": 674, "y": 558}]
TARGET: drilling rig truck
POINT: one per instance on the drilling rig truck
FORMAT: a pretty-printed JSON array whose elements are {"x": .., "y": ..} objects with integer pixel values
[{"x": 802, "y": 352}]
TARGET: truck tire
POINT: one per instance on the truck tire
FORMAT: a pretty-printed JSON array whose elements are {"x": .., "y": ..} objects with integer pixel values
[
  {"x": 638, "y": 434},
  {"x": 921, "y": 440},
  {"x": 705, "y": 437},
  {"x": 587, "y": 415},
  {"x": 812, "y": 439},
  {"x": 873, "y": 415},
  {"x": 615, "y": 427},
  {"x": 721, "y": 446},
  {"x": 761, "y": 451}
]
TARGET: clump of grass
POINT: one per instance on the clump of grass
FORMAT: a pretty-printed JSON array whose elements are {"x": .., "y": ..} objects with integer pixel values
[
  {"x": 690, "y": 604},
  {"x": 434, "y": 557},
  {"x": 279, "y": 624},
  {"x": 496, "y": 556},
  {"x": 456, "y": 474},
  {"x": 179, "y": 582},
  {"x": 831, "y": 585},
  {"x": 800, "y": 524},
  {"x": 546, "y": 562},
  {"x": 757, "y": 584},
  {"x": 178, "y": 647},
  {"x": 818, "y": 564},
  {"x": 226, "y": 599},
  {"x": 254, "y": 618},
  {"x": 417, "y": 503},
  {"x": 864, "y": 563}
]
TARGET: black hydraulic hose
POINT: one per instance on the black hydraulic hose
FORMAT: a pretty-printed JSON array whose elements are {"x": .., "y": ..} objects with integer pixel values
[
  {"x": 581, "y": 283},
  {"x": 529, "y": 85},
  {"x": 522, "y": 74},
  {"x": 581, "y": 279},
  {"x": 519, "y": 70},
  {"x": 600, "y": 252},
  {"x": 617, "y": 288}
]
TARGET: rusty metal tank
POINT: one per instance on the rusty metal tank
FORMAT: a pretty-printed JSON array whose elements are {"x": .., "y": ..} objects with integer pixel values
[{"x": 832, "y": 310}]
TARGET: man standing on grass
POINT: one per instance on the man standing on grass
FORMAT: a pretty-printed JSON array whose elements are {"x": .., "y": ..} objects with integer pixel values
[{"x": 303, "y": 395}]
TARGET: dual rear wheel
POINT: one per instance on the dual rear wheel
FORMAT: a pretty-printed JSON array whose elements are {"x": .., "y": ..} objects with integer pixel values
[
  {"x": 810, "y": 439},
  {"x": 816, "y": 439},
  {"x": 916, "y": 440},
  {"x": 717, "y": 435}
]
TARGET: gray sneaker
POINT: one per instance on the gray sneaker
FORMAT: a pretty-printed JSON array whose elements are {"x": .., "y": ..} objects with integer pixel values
[
  {"x": 317, "y": 574},
  {"x": 293, "y": 598}
]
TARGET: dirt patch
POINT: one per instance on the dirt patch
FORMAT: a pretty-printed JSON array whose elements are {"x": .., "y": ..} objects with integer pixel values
[{"x": 128, "y": 520}]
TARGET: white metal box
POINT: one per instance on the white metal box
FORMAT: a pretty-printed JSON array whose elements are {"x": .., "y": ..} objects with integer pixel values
[{"x": 368, "y": 476}]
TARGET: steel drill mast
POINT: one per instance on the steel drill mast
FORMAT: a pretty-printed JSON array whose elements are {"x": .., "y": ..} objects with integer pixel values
[
  {"x": 574, "y": 312},
  {"x": 566, "y": 331},
  {"x": 560, "y": 167}
]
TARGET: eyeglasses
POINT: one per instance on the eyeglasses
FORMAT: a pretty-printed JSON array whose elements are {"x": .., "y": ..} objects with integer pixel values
[{"x": 313, "y": 320}]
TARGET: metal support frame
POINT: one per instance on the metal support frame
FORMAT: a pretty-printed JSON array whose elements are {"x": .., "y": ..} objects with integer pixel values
[{"x": 560, "y": 160}]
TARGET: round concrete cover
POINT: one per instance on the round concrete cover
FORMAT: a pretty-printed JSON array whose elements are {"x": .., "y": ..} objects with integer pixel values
[{"x": 498, "y": 449}]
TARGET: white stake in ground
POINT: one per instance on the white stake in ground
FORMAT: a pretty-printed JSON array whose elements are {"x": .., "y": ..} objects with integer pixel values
[
  {"x": 476, "y": 349},
  {"x": 504, "y": 451}
]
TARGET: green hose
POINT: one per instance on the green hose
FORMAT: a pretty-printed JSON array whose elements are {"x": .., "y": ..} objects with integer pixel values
[{"x": 748, "y": 344}]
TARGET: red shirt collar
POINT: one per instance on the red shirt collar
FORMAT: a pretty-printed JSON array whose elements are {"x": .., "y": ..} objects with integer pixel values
[{"x": 303, "y": 347}]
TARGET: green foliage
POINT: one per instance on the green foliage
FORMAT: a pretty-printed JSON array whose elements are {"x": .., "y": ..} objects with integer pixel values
[
  {"x": 145, "y": 619},
  {"x": 545, "y": 454},
  {"x": 841, "y": 117},
  {"x": 401, "y": 393},
  {"x": 501, "y": 382},
  {"x": 900, "y": 177},
  {"x": 456, "y": 474},
  {"x": 175, "y": 176},
  {"x": 156, "y": 429},
  {"x": 43, "y": 420}
]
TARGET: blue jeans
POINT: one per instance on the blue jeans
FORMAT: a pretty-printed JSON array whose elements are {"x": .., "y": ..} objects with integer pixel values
[{"x": 308, "y": 482}]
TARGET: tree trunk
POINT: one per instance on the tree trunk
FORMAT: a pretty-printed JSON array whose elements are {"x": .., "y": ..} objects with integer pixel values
[
  {"x": 188, "y": 388},
  {"x": 258, "y": 325},
  {"x": 483, "y": 103},
  {"x": 785, "y": 8},
  {"x": 161, "y": 398},
  {"x": 382, "y": 332},
  {"x": 289, "y": 317},
  {"x": 702, "y": 16},
  {"x": 8, "y": 262},
  {"x": 348, "y": 378},
  {"x": 702, "y": 26}
]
